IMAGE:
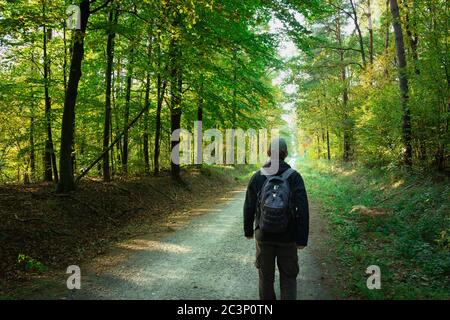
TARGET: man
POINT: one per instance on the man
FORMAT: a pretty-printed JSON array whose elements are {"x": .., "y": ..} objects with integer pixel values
[{"x": 274, "y": 244}]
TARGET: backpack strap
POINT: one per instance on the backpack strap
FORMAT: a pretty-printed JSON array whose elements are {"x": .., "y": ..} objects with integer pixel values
[{"x": 285, "y": 175}]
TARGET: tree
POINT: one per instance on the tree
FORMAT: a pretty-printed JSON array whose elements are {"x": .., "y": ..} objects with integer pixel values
[
  {"x": 66, "y": 183},
  {"x": 50, "y": 158},
  {"x": 113, "y": 16},
  {"x": 403, "y": 82}
]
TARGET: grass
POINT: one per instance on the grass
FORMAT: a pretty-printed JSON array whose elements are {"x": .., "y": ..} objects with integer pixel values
[{"x": 410, "y": 242}]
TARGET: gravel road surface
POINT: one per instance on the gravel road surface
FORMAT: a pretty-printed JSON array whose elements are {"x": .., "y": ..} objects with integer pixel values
[{"x": 208, "y": 258}]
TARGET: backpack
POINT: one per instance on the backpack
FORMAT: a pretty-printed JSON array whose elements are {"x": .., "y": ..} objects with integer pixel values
[{"x": 274, "y": 203}]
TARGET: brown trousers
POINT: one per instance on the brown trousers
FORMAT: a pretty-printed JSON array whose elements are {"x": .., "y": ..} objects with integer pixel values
[{"x": 286, "y": 257}]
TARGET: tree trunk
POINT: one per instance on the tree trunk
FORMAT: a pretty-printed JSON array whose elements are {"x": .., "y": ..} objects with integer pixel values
[
  {"x": 159, "y": 101},
  {"x": 318, "y": 146},
  {"x": 147, "y": 105},
  {"x": 127, "y": 115},
  {"x": 65, "y": 59},
  {"x": 403, "y": 83},
  {"x": 115, "y": 110},
  {"x": 413, "y": 38},
  {"x": 358, "y": 29},
  {"x": 176, "y": 82},
  {"x": 66, "y": 183},
  {"x": 235, "y": 79},
  {"x": 200, "y": 101},
  {"x": 32, "y": 147},
  {"x": 370, "y": 22},
  {"x": 48, "y": 176},
  {"x": 145, "y": 140},
  {"x": 116, "y": 140},
  {"x": 157, "y": 128},
  {"x": 328, "y": 146},
  {"x": 109, "y": 70},
  {"x": 50, "y": 168},
  {"x": 175, "y": 113},
  {"x": 161, "y": 92},
  {"x": 386, "y": 39},
  {"x": 346, "y": 122},
  {"x": 328, "y": 135},
  {"x": 175, "y": 123}
]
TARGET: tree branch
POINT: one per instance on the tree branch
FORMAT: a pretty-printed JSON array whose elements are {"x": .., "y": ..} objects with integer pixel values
[
  {"x": 342, "y": 9},
  {"x": 99, "y": 7},
  {"x": 100, "y": 157},
  {"x": 339, "y": 48}
]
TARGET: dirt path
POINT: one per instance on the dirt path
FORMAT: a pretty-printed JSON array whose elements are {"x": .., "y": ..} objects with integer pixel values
[{"x": 208, "y": 258}]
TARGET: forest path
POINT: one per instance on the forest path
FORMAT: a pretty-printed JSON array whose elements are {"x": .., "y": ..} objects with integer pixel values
[{"x": 208, "y": 258}]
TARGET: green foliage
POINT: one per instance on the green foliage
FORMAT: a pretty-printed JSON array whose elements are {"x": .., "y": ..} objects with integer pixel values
[
  {"x": 30, "y": 264},
  {"x": 227, "y": 60},
  {"x": 372, "y": 115},
  {"x": 409, "y": 242}
]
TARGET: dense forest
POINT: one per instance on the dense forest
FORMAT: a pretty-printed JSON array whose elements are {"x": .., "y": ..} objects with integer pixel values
[
  {"x": 95, "y": 88},
  {"x": 372, "y": 81},
  {"x": 374, "y": 86},
  {"x": 134, "y": 72}
]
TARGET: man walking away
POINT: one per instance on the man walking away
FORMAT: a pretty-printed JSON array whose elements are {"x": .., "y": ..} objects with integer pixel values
[{"x": 276, "y": 210}]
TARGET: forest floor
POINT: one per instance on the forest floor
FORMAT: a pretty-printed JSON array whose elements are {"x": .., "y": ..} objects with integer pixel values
[
  {"x": 197, "y": 252},
  {"x": 394, "y": 219},
  {"x": 42, "y": 232},
  {"x": 146, "y": 238},
  {"x": 206, "y": 258}
]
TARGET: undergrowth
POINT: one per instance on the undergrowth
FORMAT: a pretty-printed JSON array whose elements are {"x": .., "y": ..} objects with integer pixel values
[{"x": 409, "y": 241}]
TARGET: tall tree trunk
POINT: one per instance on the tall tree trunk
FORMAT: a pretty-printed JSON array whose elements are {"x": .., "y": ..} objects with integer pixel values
[
  {"x": 370, "y": 22},
  {"x": 116, "y": 91},
  {"x": 109, "y": 71},
  {"x": 358, "y": 29},
  {"x": 161, "y": 92},
  {"x": 50, "y": 168},
  {"x": 176, "y": 82},
  {"x": 441, "y": 154},
  {"x": 413, "y": 38},
  {"x": 235, "y": 79},
  {"x": 127, "y": 113},
  {"x": 403, "y": 83},
  {"x": 200, "y": 101},
  {"x": 32, "y": 150},
  {"x": 175, "y": 123},
  {"x": 328, "y": 135},
  {"x": 48, "y": 176},
  {"x": 159, "y": 102},
  {"x": 175, "y": 112},
  {"x": 158, "y": 126},
  {"x": 386, "y": 38},
  {"x": 66, "y": 182},
  {"x": 116, "y": 140},
  {"x": 147, "y": 105},
  {"x": 65, "y": 58},
  {"x": 328, "y": 146},
  {"x": 346, "y": 120},
  {"x": 319, "y": 151},
  {"x": 32, "y": 147},
  {"x": 146, "y": 133}
]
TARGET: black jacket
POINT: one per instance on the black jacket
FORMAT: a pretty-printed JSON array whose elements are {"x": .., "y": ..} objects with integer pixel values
[{"x": 298, "y": 228}]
